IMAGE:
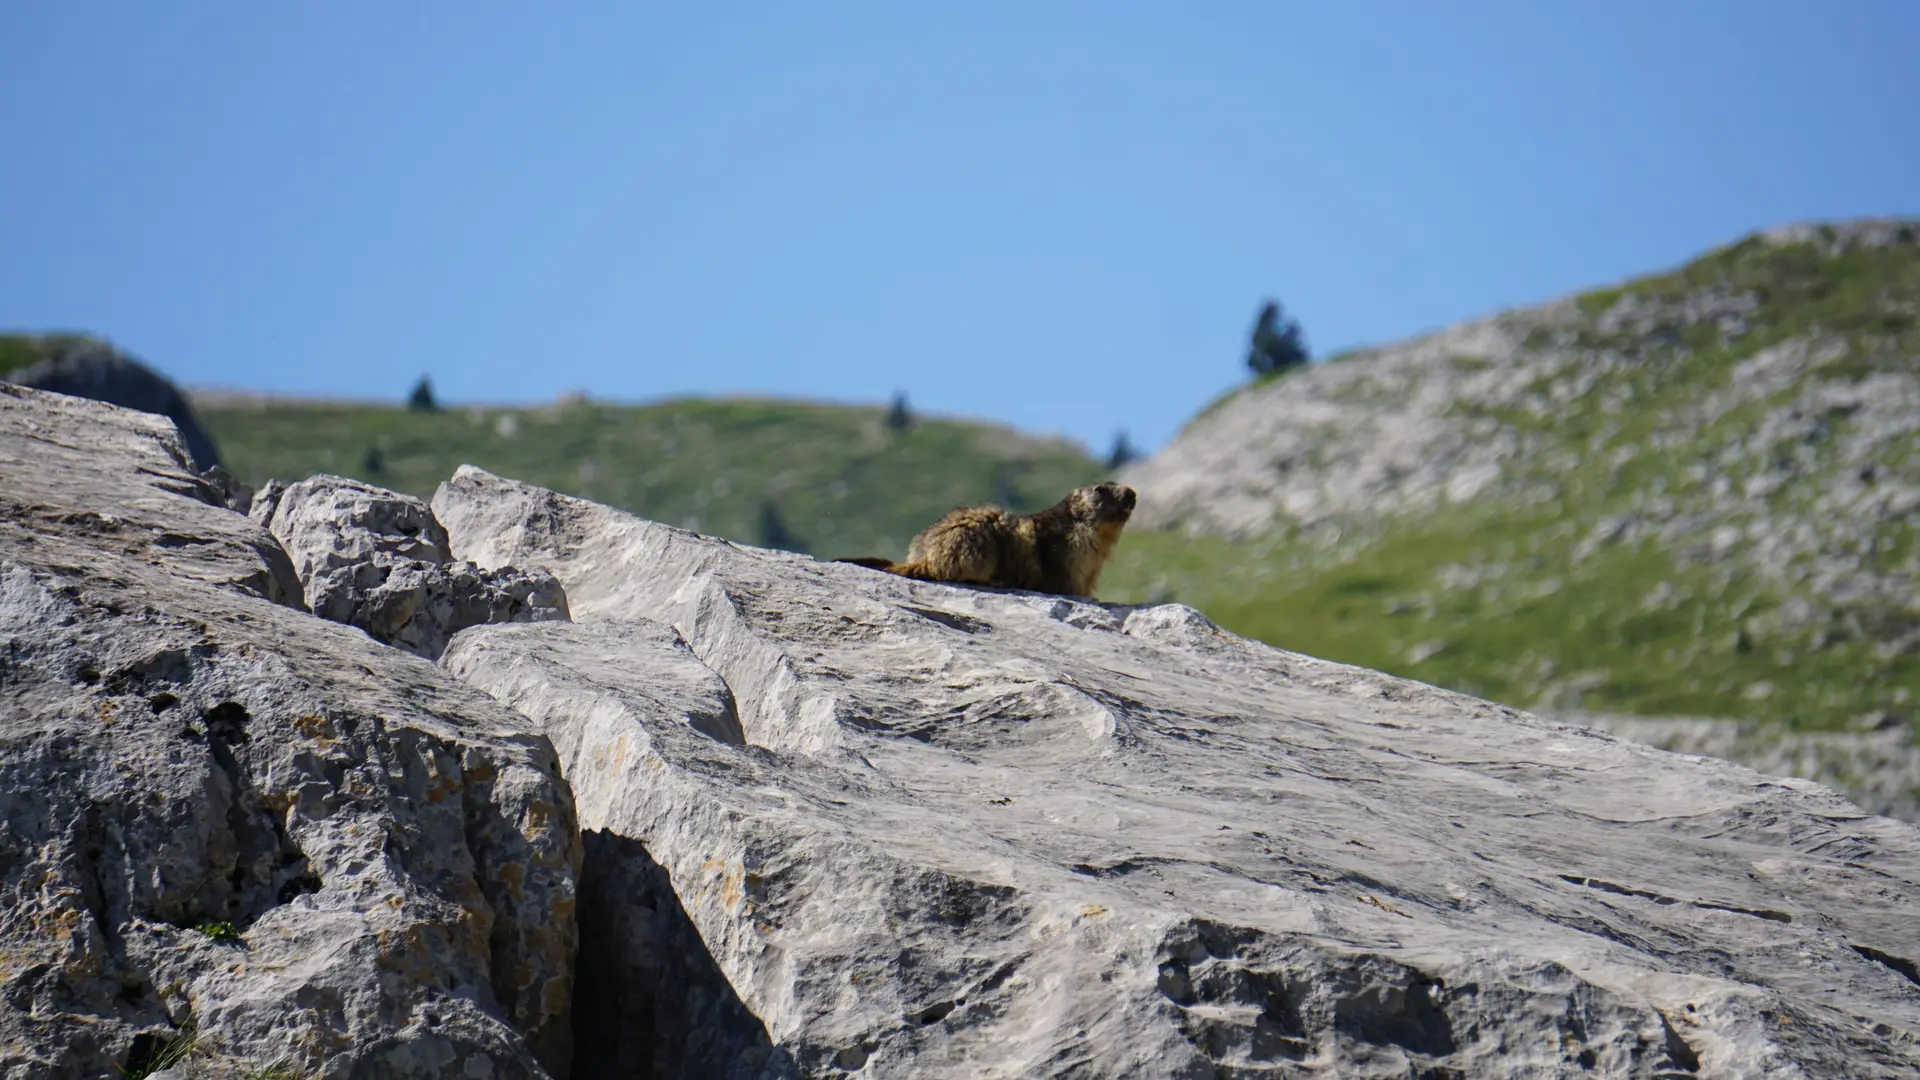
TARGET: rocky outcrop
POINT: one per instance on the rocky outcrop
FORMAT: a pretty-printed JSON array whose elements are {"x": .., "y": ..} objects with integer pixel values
[
  {"x": 1707, "y": 475},
  {"x": 236, "y": 835},
  {"x": 819, "y": 821},
  {"x": 376, "y": 559},
  {"x": 928, "y": 831},
  {"x": 92, "y": 369},
  {"x": 122, "y": 478}
]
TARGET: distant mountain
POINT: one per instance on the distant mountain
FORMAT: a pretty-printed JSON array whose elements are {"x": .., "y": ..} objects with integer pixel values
[{"x": 1693, "y": 494}]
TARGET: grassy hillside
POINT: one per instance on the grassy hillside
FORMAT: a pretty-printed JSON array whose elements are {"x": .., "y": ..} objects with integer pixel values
[
  {"x": 1706, "y": 501},
  {"x": 827, "y": 479}
]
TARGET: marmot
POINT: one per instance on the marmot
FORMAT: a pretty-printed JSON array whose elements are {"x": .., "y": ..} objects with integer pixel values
[{"x": 1061, "y": 549}]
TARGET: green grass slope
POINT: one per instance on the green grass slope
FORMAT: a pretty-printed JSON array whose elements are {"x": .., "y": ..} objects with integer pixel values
[{"x": 1710, "y": 507}]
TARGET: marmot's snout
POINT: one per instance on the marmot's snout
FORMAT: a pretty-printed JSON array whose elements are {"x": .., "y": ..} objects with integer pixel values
[{"x": 1110, "y": 501}]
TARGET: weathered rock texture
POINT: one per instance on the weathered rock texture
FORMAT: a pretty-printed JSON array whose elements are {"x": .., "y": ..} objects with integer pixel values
[
  {"x": 1877, "y": 767},
  {"x": 376, "y": 559},
  {"x": 227, "y": 824},
  {"x": 92, "y": 369},
  {"x": 927, "y": 831}
]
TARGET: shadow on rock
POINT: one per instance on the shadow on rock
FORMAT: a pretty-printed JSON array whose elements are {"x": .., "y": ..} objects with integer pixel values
[{"x": 649, "y": 1000}]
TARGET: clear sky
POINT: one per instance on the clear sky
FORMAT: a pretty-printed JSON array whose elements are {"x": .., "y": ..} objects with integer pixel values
[{"x": 1059, "y": 214}]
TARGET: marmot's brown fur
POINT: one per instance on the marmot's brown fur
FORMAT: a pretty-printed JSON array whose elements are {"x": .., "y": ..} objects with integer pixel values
[{"x": 1061, "y": 549}]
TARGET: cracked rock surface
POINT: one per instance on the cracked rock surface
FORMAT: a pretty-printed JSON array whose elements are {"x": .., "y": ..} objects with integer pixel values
[
  {"x": 377, "y": 559},
  {"x": 928, "y": 831},
  {"x": 230, "y": 826}
]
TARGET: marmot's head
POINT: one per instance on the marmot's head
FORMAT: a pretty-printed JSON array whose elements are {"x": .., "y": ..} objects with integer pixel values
[{"x": 1107, "y": 502}]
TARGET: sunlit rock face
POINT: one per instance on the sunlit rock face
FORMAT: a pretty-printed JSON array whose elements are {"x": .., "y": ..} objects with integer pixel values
[
  {"x": 919, "y": 830},
  {"x": 377, "y": 559},
  {"x": 232, "y": 833}
]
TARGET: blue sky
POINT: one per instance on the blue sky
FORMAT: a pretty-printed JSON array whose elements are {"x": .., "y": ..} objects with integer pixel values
[{"x": 1061, "y": 215}]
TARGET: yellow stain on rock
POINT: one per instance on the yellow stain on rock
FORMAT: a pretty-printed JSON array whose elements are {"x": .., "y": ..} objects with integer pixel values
[{"x": 317, "y": 729}]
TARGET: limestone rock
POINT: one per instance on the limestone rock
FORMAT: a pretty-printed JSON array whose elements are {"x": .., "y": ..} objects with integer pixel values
[
  {"x": 327, "y": 522},
  {"x": 141, "y": 496},
  {"x": 378, "y": 560},
  {"x": 235, "y": 833},
  {"x": 1876, "y": 764},
  {"x": 929, "y": 831},
  {"x": 95, "y": 370}
]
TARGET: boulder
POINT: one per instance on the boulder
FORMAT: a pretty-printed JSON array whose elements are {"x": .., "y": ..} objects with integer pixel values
[
  {"x": 377, "y": 559},
  {"x": 96, "y": 370},
  {"x": 235, "y": 838},
  {"x": 144, "y": 495},
  {"x": 921, "y": 830}
]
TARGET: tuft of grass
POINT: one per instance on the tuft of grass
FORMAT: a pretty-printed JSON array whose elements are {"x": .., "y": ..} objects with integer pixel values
[{"x": 151, "y": 1055}]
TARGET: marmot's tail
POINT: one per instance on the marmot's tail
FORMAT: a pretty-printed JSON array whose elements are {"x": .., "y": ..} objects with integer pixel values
[
  {"x": 916, "y": 570},
  {"x": 869, "y": 562}
]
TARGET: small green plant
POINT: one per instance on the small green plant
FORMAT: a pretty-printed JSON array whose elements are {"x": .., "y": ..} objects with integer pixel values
[
  {"x": 151, "y": 1054},
  {"x": 219, "y": 931}
]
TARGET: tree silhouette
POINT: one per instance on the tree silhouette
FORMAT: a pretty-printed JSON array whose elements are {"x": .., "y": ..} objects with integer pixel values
[
  {"x": 773, "y": 529},
  {"x": 1278, "y": 342},
  {"x": 421, "y": 400},
  {"x": 899, "y": 417},
  {"x": 1122, "y": 453}
]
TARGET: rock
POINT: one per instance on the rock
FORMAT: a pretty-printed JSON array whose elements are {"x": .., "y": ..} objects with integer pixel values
[
  {"x": 327, "y": 522},
  {"x": 229, "y": 827},
  {"x": 261, "y": 507},
  {"x": 145, "y": 495},
  {"x": 378, "y": 560},
  {"x": 92, "y": 369},
  {"x": 928, "y": 831},
  {"x": 234, "y": 495},
  {"x": 1879, "y": 768}
]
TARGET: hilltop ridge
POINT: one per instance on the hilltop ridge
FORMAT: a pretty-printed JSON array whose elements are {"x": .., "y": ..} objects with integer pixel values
[{"x": 1694, "y": 493}]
